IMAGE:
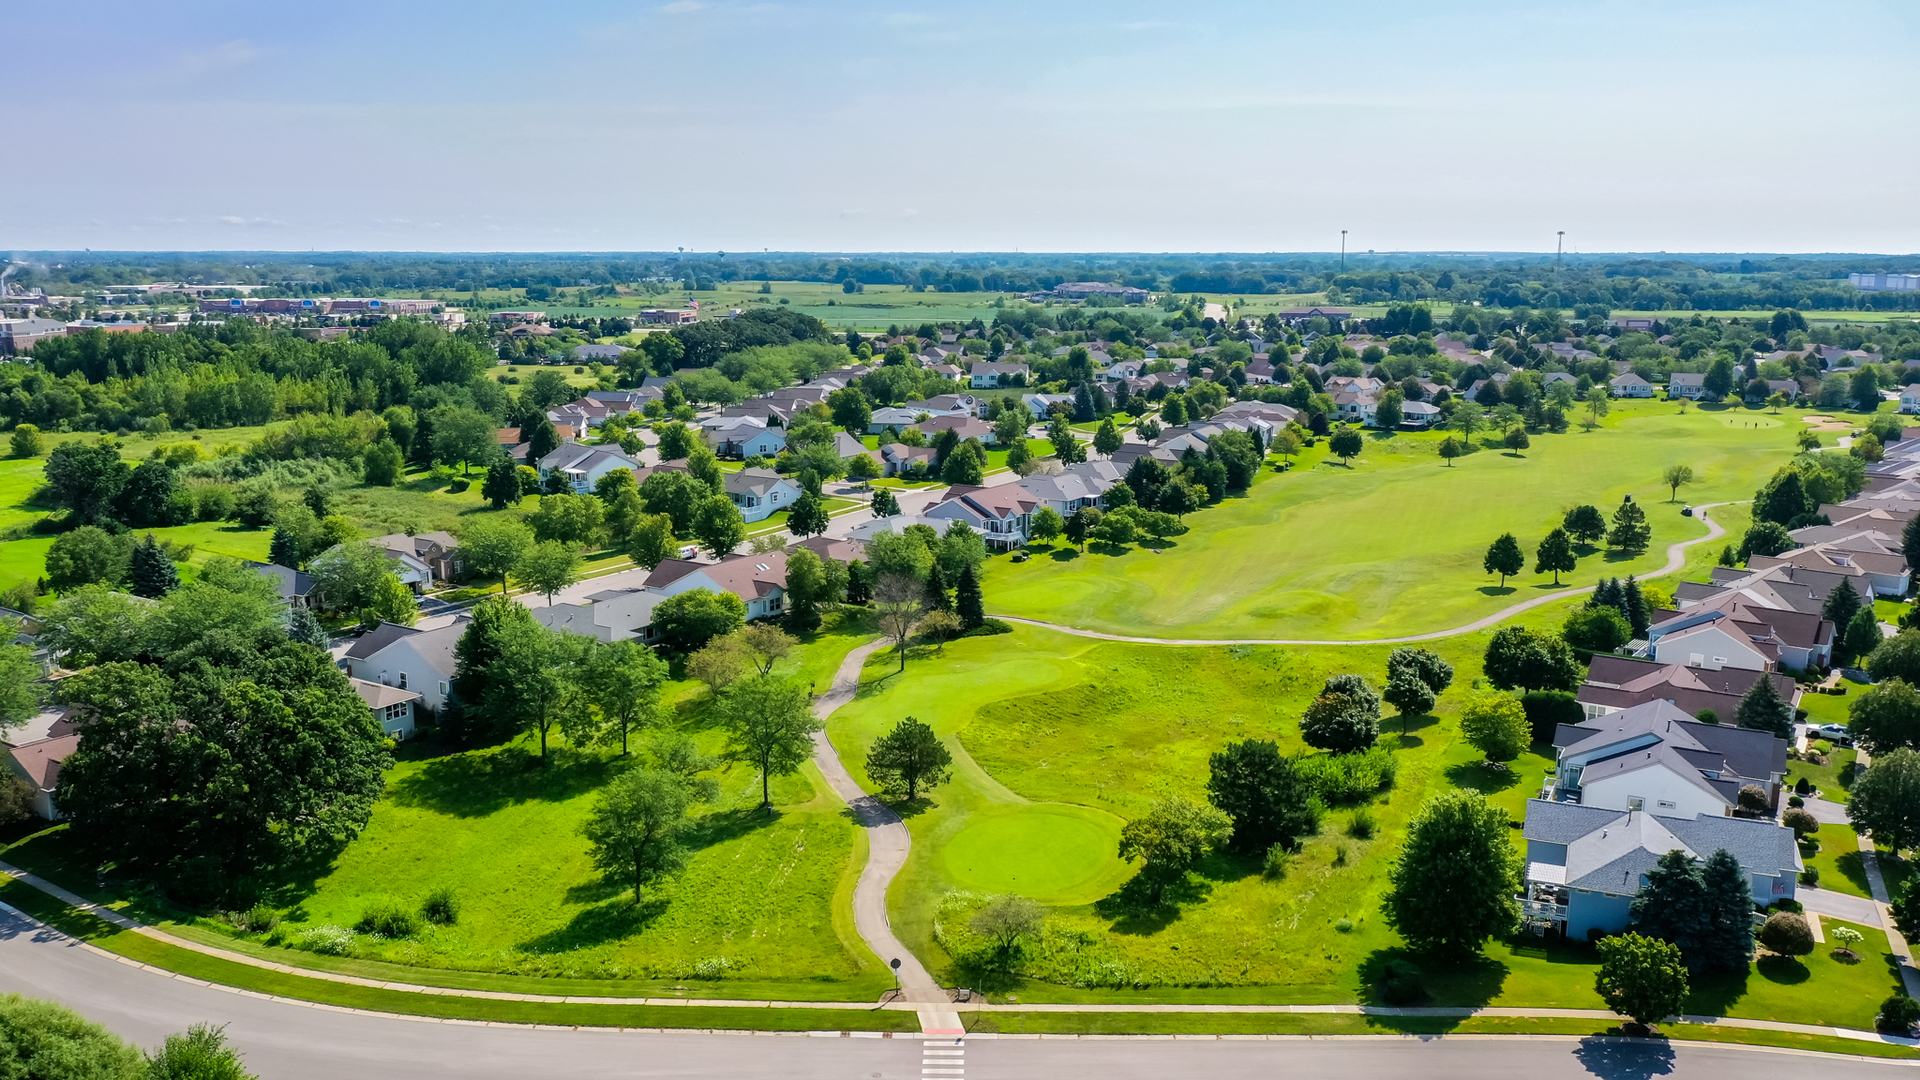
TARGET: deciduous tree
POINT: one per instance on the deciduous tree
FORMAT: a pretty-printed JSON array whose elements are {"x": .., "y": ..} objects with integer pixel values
[
  {"x": 493, "y": 546},
  {"x": 1267, "y": 798},
  {"x": 1496, "y": 725},
  {"x": 1505, "y": 558},
  {"x": 1554, "y": 555},
  {"x": 1641, "y": 977},
  {"x": 634, "y": 829},
  {"x": 1453, "y": 885},
  {"x": 1885, "y": 800},
  {"x": 908, "y": 759},
  {"x": 1170, "y": 841},
  {"x": 770, "y": 725}
]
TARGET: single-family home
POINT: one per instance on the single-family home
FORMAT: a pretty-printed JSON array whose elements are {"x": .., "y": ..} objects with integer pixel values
[
  {"x": 295, "y": 586},
  {"x": 408, "y": 658},
  {"x": 897, "y": 417},
  {"x": 760, "y": 580},
  {"x": 1632, "y": 323},
  {"x": 1875, "y": 559},
  {"x": 1910, "y": 398},
  {"x": 1040, "y": 404},
  {"x": 864, "y": 532},
  {"x": 1121, "y": 370},
  {"x": 1615, "y": 683},
  {"x": 760, "y": 493},
  {"x": 583, "y": 466},
  {"x": 1682, "y": 384},
  {"x": 967, "y": 427},
  {"x": 948, "y": 405},
  {"x": 988, "y": 374},
  {"x": 1355, "y": 407},
  {"x": 1418, "y": 414},
  {"x": 391, "y": 706},
  {"x": 1629, "y": 385},
  {"x": 847, "y": 446},
  {"x": 1082, "y": 485},
  {"x": 610, "y": 615},
  {"x": 896, "y": 458},
  {"x": 839, "y": 549},
  {"x": 33, "y": 752},
  {"x": 742, "y": 436},
  {"x": 439, "y": 551},
  {"x": 1730, "y": 631},
  {"x": 1656, "y": 757},
  {"x": 1002, "y": 513},
  {"x": 1585, "y": 864}
]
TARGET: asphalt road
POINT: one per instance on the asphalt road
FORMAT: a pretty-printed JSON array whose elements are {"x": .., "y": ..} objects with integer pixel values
[{"x": 283, "y": 1041}]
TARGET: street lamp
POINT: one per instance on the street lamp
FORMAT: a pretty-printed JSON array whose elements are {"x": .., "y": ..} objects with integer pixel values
[{"x": 1343, "y": 250}]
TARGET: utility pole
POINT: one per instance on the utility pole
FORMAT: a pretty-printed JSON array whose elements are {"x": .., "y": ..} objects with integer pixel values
[
  {"x": 1343, "y": 251},
  {"x": 1559, "y": 250}
]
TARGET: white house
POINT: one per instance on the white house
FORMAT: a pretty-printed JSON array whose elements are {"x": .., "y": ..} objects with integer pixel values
[
  {"x": 760, "y": 580},
  {"x": 947, "y": 405},
  {"x": 408, "y": 659},
  {"x": 1002, "y": 514},
  {"x": 1655, "y": 757},
  {"x": 996, "y": 374},
  {"x": 1085, "y": 484},
  {"x": 1630, "y": 385},
  {"x": 1038, "y": 404},
  {"x": 894, "y": 416},
  {"x": 392, "y": 707},
  {"x": 1910, "y": 399},
  {"x": 760, "y": 493},
  {"x": 612, "y": 615},
  {"x": 1726, "y": 631},
  {"x": 583, "y": 466},
  {"x": 1418, "y": 414},
  {"x": 1585, "y": 864},
  {"x": 1687, "y": 385}
]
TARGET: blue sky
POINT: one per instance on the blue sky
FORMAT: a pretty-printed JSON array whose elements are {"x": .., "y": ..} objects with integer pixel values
[{"x": 1059, "y": 126}]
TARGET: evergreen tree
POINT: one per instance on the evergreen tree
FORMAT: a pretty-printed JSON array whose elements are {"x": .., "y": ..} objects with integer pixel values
[
  {"x": 1585, "y": 524},
  {"x": 1673, "y": 906},
  {"x": 1861, "y": 637},
  {"x": 1729, "y": 897},
  {"x": 285, "y": 550},
  {"x": 938, "y": 599},
  {"x": 1910, "y": 540},
  {"x": 1631, "y": 533},
  {"x": 540, "y": 438},
  {"x": 1083, "y": 411},
  {"x": 1608, "y": 594},
  {"x": 152, "y": 571},
  {"x": 502, "y": 485},
  {"x": 1762, "y": 708},
  {"x": 1784, "y": 501},
  {"x": 885, "y": 504},
  {"x": 1843, "y": 603},
  {"x": 969, "y": 602},
  {"x": 1634, "y": 606},
  {"x": 304, "y": 627}
]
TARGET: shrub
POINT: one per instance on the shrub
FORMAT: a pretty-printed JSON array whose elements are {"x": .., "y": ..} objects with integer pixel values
[
  {"x": 1753, "y": 798},
  {"x": 388, "y": 920},
  {"x": 1274, "y": 867},
  {"x": 1547, "y": 710},
  {"x": 1796, "y": 801},
  {"x": 1787, "y": 933},
  {"x": 440, "y": 907},
  {"x": 1361, "y": 825},
  {"x": 1810, "y": 876},
  {"x": 1801, "y": 822},
  {"x": 1898, "y": 1013},
  {"x": 1349, "y": 778},
  {"x": 1400, "y": 983},
  {"x": 257, "y": 919},
  {"x": 1339, "y": 854},
  {"x": 1707, "y": 716},
  {"x": 988, "y": 628},
  {"x": 325, "y": 940},
  {"x": 1343, "y": 925},
  {"x": 1803, "y": 786}
]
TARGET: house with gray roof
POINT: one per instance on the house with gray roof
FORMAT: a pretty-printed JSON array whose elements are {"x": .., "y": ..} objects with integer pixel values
[
  {"x": 1586, "y": 863},
  {"x": 408, "y": 658},
  {"x": 1085, "y": 484},
  {"x": 1683, "y": 384},
  {"x": 760, "y": 493},
  {"x": 583, "y": 466},
  {"x": 607, "y": 616},
  {"x": 295, "y": 586},
  {"x": 1656, "y": 757}
]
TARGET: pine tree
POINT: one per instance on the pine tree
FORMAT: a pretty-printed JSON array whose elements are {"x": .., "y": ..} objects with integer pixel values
[
  {"x": 1673, "y": 906},
  {"x": 1607, "y": 594},
  {"x": 285, "y": 550},
  {"x": 938, "y": 598},
  {"x": 1761, "y": 707},
  {"x": 1729, "y": 897},
  {"x": 305, "y": 628},
  {"x": 1843, "y": 603},
  {"x": 969, "y": 602},
  {"x": 1634, "y": 606},
  {"x": 152, "y": 571},
  {"x": 1862, "y": 635},
  {"x": 1083, "y": 411},
  {"x": 1631, "y": 533},
  {"x": 540, "y": 438}
]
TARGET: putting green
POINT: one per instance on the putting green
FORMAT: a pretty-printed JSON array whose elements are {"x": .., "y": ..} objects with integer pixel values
[{"x": 1054, "y": 853}]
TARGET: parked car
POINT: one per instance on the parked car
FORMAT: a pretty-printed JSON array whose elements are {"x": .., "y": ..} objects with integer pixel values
[{"x": 1833, "y": 733}]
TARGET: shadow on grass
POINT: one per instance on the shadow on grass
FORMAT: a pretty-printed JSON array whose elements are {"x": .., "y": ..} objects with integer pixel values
[
  {"x": 1610, "y": 1059},
  {"x": 1469, "y": 982},
  {"x": 905, "y": 808},
  {"x": 1499, "y": 590},
  {"x": 613, "y": 919},
  {"x": 1065, "y": 554},
  {"x": 727, "y": 825},
  {"x": 1475, "y": 776},
  {"x": 478, "y": 784},
  {"x": 1854, "y": 871},
  {"x": 1134, "y": 914}
]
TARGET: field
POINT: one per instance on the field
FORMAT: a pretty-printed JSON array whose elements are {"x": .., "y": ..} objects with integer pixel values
[{"x": 1393, "y": 545}]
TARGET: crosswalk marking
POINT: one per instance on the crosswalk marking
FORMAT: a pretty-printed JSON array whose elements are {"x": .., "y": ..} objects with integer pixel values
[{"x": 942, "y": 1058}]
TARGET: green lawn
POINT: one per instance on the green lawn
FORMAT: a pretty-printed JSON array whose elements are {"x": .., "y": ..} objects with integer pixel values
[
  {"x": 1394, "y": 544},
  {"x": 1832, "y": 779},
  {"x": 1838, "y": 861},
  {"x": 764, "y": 900}
]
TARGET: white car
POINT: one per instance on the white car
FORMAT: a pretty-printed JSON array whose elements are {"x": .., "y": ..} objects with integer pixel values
[{"x": 1834, "y": 733}]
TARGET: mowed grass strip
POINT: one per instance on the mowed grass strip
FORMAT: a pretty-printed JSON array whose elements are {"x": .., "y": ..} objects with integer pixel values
[{"x": 1393, "y": 545}]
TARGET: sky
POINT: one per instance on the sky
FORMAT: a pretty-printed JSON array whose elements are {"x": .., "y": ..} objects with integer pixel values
[{"x": 426, "y": 125}]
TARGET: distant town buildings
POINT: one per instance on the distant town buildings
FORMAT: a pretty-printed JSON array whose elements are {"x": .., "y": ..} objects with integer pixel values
[{"x": 1885, "y": 282}]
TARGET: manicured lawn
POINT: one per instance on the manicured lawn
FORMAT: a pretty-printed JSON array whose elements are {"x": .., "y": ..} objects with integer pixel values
[
  {"x": 1838, "y": 861},
  {"x": 1394, "y": 544},
  {"x": 764, "y": 899},
  {"x": 1832, "y": 779},
  {"x": 1054, "y": 853}
]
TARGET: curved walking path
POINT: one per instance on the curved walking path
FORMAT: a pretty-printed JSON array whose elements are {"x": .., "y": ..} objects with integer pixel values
[
  {"x": 1676, "y": 558},
  {"x": 888, "y": 843}
]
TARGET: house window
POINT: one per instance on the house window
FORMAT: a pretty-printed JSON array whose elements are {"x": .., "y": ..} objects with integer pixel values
[
  {"x": 443, "y": 689},
  {"x": 1635, "y": 802},
  {"x": 403, "y": 680},
  {"x": 1665, "y": 804}
]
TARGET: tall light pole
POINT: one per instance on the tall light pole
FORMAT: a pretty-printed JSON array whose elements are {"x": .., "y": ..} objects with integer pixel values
[
  {"x": 1560, "y": 249},
  {"x": 1343, "y": 250}
]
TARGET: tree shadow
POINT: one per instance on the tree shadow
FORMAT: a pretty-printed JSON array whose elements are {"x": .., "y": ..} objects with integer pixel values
[
  {"x": 1101, "y": 547},
  {"x": 1616, "y": 555},
  {"x": 1783, "y": 970},
  {"x": 910, "y": 808},
  {"x": 1476, "y": 776},
  {"x": 610, "y": 920},
  {"x": 1713, "y": 993},
  {"x": 1621, "y": 1059},
  {"x": 1499, "y": 590},
  {"x": 1065, "y": 554},
  {"x": 482, "y": 783},
  {"x": 727, "y": 825},
  {"x": 1132, "y": 913},
  {"x": 1854, "y": 870},
  {"x": 1449, "y": 981}
]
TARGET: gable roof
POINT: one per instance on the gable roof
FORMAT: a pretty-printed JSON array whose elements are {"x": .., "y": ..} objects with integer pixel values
[
  {"x": 378, "y": 638},
  {"x": 380, "y": 695},
  {"x": 755, "y": 482},
  {"x": 41, "y": 760},
  {"x": 1609, "y": 850},
  {"x": 292, "y": 583}
]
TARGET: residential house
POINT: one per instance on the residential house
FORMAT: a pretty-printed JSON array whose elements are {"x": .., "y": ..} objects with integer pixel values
[
  {"x": 1355, "y": 407},
  {"x": 896, "y": 458},
  {"x": 895, "y": 417},
  {"x": 760, "y": 580},
  {"x": 1041, "y": 404},
  {"x": 408, "y": 658},
  {"x": 1632, "y": 323},
  {"x": 610, "y": 615},
  {"x": 1260, "y": 370},
  {"x": 583, "y": 466},
  {"x": 1297, "y": 315},
  {"x": 1003, "y": 514},
  {"x": 295, "y": 586},
  {"x": 606, "y": 354},
  {"x": 1273, "y": 413},
  {"x": 846, "y": 446},
  {"x": 1585, "y": 864},
  {"x": 1121, "y": 370},
  {"x": 1783, "y": 386},
  {"x": 34, "y": 751},
  {"x": 1656, "y": 757},
  {"x": 966, "y": 427},
  {"x": 391, "y": 706},
  {"x": 742, "y": 436},
  {"x": 1683, "y": 384},
  {"x": 997, "y": 374},
  {"x": 439, "y": 551},
  {"x": 1419, "y": 414},
  {"x": 1874, "y": 559},
  {"x": 1615, "y": 683},
  {"x": 864, "y": 532},
  {"x": 1630, "y": 385},
  {"x": 1728, "y": 632},
  {"x": 760, "y": 493},
  {"x": 1082, "y": 485},
  {"x": 840, "y": 550},
  {"x": 948, "y": 405}
]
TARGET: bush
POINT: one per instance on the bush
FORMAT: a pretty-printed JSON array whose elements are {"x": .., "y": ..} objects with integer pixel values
[
  {"x": 988, "y": 628},
  {"x": 1547, "y": 710},
  {"x": 1343, "y": 925},
  {"x": 1274, "y": 867},
  {"x": 1360, "y": 826},
  {"x": 1898, "y": 1014},
  {"x": 388, "y": 920},
  {"x": 325, "y": 940},
  {"x": 1349, "y": 778},
  {"x": 441, "y": 907},
  {"x": 1810, "y": 876},
  {"x": 257, "y": 919},
  {"x": 1400, "y": 983},
  {"x": 1753, "y": 798},
  {"x": 1787, "y": 933},
  {"x": 1803, "y": 786},
  {"x": 1801, "y": 822},
  {"x": 1796, "y": 801}
]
